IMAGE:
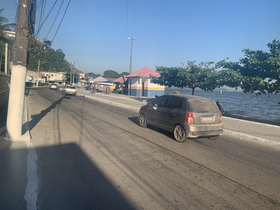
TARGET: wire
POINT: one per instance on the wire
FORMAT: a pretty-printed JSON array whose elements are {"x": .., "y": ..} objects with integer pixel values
[
  {"x": 55, "y": 19},
  {"x": 61, "y": 20},
  {"x": 42, "y": 13},
  {"x": 100, "y": 31},
  {"x": 40, "y": 26}
]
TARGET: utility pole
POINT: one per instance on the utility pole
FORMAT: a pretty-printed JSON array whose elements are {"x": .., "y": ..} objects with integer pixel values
[
  {"x": 38, "y": 73},
  {"x": 73, "y": 73},
  {"x": 17, "y": 87},
  {"x": 6, "y": 58},
  {"x": 70, "y": 78},
  {"x": 131, "y": 54}
]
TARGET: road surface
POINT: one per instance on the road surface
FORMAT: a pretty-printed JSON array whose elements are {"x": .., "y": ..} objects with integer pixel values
[{"x": 93, "y": 155}]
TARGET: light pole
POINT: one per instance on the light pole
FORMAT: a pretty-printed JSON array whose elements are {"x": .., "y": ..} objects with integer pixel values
[
  {"x": 73, "y": 73},
  {"x": 131, "y": 53},
  {"x": 38, "y": 72}
]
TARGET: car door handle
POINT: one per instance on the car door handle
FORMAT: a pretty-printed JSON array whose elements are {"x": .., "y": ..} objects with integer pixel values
[{"x": 174, "y": 114}]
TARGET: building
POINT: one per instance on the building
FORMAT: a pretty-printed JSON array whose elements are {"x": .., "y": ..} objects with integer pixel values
[
  {"x": 34, "y": 75},
  {"x": 54, "y": 77},
  {"x": 140, "y": 83},
  {"x": 10, "y": 33}
]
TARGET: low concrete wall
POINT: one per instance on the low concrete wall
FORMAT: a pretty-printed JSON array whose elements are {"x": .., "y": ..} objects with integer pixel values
[
  {"x": 3, "y": 81},
  {"x": 4, "y": 99}
]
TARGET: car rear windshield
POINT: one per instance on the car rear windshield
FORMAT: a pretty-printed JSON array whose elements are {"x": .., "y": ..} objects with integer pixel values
[
  {"x": 202, "y": 106},
  {"x": 72, "y": 87}
]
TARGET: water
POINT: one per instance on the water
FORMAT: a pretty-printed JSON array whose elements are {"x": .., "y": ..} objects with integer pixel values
[{"x": 263, "y": 106}]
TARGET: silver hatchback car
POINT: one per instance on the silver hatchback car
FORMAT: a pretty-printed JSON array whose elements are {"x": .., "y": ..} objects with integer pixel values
[{"x": 187, "y": 116}]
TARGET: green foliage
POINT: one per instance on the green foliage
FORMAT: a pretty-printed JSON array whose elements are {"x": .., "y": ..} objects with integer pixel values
[
  {"x": 123, "y": 73},
  {"x": 4, "y": 26},
  {"x": 175, "y": 92},
  {"x": 92, "y": 75},
  {"x": 260, "y": 71},
  {"x": 51, "y": 60},
  {"x": 111, "y": 74},
  {"x": 191, "y": 76}
]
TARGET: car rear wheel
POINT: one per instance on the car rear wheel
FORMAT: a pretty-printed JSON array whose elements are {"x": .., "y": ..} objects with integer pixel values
[
  {"x": 143, "y": 121},
  {"x": 179, "y": 133}
]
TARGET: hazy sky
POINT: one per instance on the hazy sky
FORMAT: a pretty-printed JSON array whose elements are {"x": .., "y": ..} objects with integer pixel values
[{"x": 94, "y": 33}]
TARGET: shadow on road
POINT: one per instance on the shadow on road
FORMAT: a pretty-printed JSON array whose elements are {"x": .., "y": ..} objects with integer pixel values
[
  {"x": 13, "y": 162},
  {"x": 166, "y": 133},
  {"x": 36, "y": 118},
  {"x": 69, "y": 180}
]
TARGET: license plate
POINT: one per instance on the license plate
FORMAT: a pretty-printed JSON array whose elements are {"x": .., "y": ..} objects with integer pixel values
[{"x": 207, "y": 119}]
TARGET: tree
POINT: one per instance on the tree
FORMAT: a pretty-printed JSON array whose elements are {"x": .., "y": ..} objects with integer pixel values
[
  {"x": 54, "y": 60},
  {"x": 110, "y": 74},
  {"x": 47, "y": 43},
  {"x": 93, "y": 75},
  {"x": 4, "y": 26},
  {"x": 123, "y": 73},
  {"x": 191, "y": 76},
  {"x": 260, "y": 70}
]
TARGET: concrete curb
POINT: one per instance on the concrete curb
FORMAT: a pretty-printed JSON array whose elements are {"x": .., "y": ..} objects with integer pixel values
[
  {"x": 113, "y": 103},
  {"x": 251, "y": 137},
  {"x": 225, "y": 130}
]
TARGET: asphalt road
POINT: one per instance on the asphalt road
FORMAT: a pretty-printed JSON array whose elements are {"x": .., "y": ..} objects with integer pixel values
[{"x": 93, "y": 155}]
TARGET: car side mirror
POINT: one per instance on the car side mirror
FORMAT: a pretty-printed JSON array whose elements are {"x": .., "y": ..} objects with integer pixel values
[{"x": 155, "y": 106}]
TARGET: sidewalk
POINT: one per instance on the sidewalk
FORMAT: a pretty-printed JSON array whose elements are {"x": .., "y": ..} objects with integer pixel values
[{"x": 243, "y": 126}]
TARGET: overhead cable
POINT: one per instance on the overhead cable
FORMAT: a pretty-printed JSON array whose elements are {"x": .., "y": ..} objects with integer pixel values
[
  {"x": 61, "y": 20},
  {"x": 100, "y": 31}
]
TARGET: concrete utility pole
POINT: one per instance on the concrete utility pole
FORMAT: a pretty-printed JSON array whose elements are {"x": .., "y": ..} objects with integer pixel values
[
  {"x": 73, "y": 74},
  {"x": 37, "y": 81},
  {"x": 17, "y": 87},
  {"x": 131, "y": 53},
  {"x": 6, "y": 58}
]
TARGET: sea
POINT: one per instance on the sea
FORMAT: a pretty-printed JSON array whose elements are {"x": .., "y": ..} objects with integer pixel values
[{"x": 264, "y": 106}]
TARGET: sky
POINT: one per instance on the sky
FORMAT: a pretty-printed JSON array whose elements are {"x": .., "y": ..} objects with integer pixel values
[{"x": 94, "y": 33}]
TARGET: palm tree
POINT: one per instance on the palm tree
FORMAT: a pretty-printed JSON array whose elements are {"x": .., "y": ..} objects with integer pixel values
[{"x": 4, "y": 26}]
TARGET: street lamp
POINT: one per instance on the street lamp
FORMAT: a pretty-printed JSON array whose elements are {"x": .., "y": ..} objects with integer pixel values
[{"x": 131, "y": 53}]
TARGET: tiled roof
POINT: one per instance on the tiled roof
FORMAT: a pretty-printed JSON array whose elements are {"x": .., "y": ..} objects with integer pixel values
[
  {"x": 110, "y": 79},
  {"x": 145, "y": 72},
  {"x": 121, "y": 79}
]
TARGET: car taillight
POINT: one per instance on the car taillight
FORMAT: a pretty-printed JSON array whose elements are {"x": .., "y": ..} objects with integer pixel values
[
  {"x": 189, "y": 118},
  {"x": 221, "y": 118}
]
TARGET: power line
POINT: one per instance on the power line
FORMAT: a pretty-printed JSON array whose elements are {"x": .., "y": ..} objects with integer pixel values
[
  {"x": 100, "y": 31},
  {"x": 43, "y": 6},
  {"x": 55, "y": 19},
  {"x": 61, "y": 20},
  {"x": 40, "y": 26}
]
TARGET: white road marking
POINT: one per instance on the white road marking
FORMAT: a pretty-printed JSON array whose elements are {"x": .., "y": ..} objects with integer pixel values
[{"x": 31, "y": 191}]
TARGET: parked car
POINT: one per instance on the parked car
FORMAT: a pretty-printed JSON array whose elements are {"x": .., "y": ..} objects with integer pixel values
[
  {"x": 54, "y": 86},
  {"x": 187, "y": 116}
]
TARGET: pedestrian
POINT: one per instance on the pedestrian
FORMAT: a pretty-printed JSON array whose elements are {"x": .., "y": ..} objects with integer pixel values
[{"x": 93, "y": 88}]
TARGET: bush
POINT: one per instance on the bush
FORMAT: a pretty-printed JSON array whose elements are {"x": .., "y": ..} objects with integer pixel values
[{"x": 176, "y": 92}]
